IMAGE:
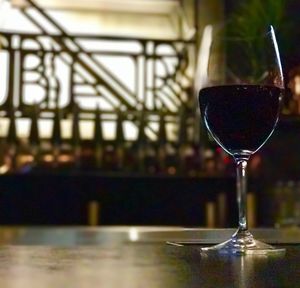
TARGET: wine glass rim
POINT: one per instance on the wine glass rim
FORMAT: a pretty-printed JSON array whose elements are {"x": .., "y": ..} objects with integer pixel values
[{"x": 269, "y": 31}]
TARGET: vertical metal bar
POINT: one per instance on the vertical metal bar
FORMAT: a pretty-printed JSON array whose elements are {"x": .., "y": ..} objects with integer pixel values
[
  {"x": 8, "y": 104},
  {"x": 43, "y": 57},
  {"x": 196, "y": 24},
  {"x": 145, "y": 74},
  {"x": 16, "y": 99},
  {"x": 136, "y": 78},
  {"x": 153, "y": 76},
  {"x": 72, "y": 80},
  {"x": 21, "y": 75}
]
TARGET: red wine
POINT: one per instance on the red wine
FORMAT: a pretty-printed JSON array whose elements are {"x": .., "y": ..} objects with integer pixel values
[{"x": 240, "y": 117}]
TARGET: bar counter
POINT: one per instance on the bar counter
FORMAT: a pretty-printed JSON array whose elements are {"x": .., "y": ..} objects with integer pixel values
[{"x": 139, "y": 257}]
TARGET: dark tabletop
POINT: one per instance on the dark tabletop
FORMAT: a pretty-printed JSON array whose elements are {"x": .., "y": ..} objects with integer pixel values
[{"x": 139, "y": 257}]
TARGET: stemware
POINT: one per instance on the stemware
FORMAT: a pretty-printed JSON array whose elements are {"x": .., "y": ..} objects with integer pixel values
[{"x": 240, "y": 99}]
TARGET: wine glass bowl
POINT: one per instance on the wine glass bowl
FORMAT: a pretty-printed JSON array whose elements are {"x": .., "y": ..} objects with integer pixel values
[
  {"x": 240, "y": 117},
  {"x": 240, "y": 101}
]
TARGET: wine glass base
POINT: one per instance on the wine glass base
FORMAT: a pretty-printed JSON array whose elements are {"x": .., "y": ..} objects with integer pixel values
[{"x": 243, "y": 243}]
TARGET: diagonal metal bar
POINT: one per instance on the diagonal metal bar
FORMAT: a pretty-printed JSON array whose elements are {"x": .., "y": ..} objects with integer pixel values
[
  {"x": 83, "y": 63},
  {"x": 94, "y": 85}
]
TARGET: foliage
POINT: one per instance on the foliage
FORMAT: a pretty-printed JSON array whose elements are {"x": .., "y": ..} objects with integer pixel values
[{"x": 251, "y": 17}]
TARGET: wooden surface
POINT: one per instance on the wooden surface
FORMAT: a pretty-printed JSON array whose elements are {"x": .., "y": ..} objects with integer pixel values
[{"x": 138, "y": 257}]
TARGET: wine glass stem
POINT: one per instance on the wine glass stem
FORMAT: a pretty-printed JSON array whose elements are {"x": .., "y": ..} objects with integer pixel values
[{"x": 241, "y": 183}]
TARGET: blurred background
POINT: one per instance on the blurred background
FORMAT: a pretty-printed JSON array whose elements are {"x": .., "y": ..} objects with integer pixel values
[{"x": 99, "y": 120}]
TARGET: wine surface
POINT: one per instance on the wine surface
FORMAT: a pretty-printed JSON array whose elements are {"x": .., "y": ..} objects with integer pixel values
[{"x": 240, "y": 117}]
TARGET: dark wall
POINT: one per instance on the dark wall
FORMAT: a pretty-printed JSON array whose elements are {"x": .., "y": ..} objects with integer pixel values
[{"x": 63, "y": 199}]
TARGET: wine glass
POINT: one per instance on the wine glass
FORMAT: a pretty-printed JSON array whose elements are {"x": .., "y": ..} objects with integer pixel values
[{"x": 240, "y": 100}]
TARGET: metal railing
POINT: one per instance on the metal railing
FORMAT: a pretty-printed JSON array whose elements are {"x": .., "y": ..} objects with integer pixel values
[
  {"x": 50, "y": 72},
  {"x": 85, "y": 69}
]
